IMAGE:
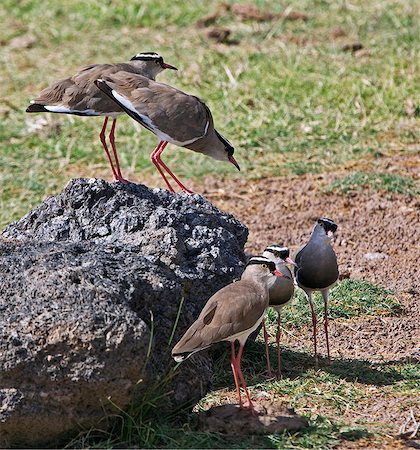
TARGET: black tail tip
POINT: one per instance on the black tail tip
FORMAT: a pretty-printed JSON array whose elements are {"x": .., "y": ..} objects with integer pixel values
[{"x": 36, "y": 107}]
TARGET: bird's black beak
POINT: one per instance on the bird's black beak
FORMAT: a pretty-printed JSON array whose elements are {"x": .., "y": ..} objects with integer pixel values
[
  {"x": 168, "y": 66},
  {"x": 233, "y": 161}
]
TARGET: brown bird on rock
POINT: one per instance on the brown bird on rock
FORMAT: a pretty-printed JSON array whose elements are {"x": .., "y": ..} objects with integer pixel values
[
  {"x": 281, "y": 292},
  {"x": 317, "y": 270},
  {"x": 172, "y": 115},
  {"x": 79, "y": 96},
  {"x": 231, "y": 314}
]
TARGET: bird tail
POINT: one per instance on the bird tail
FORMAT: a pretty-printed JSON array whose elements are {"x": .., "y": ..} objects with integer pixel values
[
  {"x": 179, "y": 357},
  {"x": 36, "y": 107}
]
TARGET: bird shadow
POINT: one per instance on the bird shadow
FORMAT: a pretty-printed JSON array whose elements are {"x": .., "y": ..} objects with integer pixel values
[{"x": 297, "y": 363}]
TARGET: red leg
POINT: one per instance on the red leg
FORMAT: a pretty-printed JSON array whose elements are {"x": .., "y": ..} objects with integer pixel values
[
  {"x": 114, "y": 151},
  {"x": 325, "y": 296},
  {"x": 235, "y": 375},
  {"x": 278, "y": 345},
  {"x": 183, "y": 188},
  {"x": 102, "y": 138},
  {"x": 267, "y": 354},
  {"x": 241, "y": 377},
  {"x": 314, "y": 326},
  {"x": 153, "y": 158}
]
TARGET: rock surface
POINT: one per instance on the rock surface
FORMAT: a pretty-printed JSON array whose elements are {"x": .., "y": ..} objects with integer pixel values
[{"x": 90, "y": 286}]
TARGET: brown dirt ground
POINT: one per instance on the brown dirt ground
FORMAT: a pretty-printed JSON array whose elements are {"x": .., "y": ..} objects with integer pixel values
[{"x": 280, "y": 210}]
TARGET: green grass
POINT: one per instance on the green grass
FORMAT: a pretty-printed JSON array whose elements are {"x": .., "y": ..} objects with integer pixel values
[
  {"x": 348, "y": 299},
  {"x": 326, "y": 397},
  {"x": 358, "y": 181},
  {"x": 299, "y": 103}
]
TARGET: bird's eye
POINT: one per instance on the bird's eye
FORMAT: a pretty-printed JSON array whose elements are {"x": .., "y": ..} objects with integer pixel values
[{"x": 264, "y": 266}]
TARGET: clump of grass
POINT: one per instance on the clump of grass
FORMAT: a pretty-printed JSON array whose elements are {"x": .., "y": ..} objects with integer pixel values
[
  {"x": 357, "y": 181},
  {"x": 349, "y": 298},
  {"x": 322, "y": 433},
  {"x": 302, "y": 167}
]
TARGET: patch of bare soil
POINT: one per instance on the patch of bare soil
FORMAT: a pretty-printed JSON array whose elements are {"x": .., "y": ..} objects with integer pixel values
[
  {"x": 384, "y": 225},
  {"x": 279, "y": 210},
  {"x": 272, "y": 418},
  {"x": 378, "y": 242}
]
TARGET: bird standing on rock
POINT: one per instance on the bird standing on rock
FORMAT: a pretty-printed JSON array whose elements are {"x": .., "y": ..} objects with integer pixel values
[
  {"x": 281, "y": 290},
  {"x": 317, "y": 270},
  {"x": 231, "y": 314},
  {"x": 172, "y": 115},
  {"x": 79, "y": 96}
]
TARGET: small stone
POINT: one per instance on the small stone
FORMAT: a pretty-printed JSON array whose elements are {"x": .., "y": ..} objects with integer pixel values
[{"x": 375, "y": 255}]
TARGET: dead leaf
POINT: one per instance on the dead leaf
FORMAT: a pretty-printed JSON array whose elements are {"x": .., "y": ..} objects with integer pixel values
[
  {"x": 411, "y": 109},
  {"x": 293, "y": 15},
  {"x": 25, "y": 41},
  {"x": 247, "y": 11},
  {"x": 354, "y": 47},
  {"x": 208, "y": 20},
  {"x": 338, "y": 32},
  {"x": 218, "y": 34}
]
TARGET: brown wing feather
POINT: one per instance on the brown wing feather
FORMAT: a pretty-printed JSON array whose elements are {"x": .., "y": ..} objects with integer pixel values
[
  {"x": 232, "y": 310},
  {"x": 80, "y": 93},
  {"x": 175, "y": 113}
]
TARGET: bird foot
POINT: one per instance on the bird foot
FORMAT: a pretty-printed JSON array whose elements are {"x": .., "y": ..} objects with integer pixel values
[
  {"x": 279, "y": 375},
  {"x": 248, "y": 406},
  {"x": 121, "y": 180},
  {"x": 268, "y": 375},
  {"x": 188, "y": 192}
]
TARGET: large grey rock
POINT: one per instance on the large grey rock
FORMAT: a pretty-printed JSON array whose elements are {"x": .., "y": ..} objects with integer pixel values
[{"x": 90, "y": 286}]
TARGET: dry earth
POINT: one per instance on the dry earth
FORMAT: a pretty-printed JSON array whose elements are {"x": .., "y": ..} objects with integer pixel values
[{"x": 280, "y": 210}]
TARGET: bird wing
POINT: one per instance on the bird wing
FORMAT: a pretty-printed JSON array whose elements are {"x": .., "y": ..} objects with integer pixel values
[
  {"x": 231, "y": 311},
  {"x": 317, "y": 264},
  {"x": 171, "y": 114},
  {"x": 78, "y": 94}
]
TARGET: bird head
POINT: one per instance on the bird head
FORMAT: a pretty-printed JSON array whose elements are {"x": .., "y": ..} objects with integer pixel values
[
  {"x": 152, "y": 62},
  {"x": 226, "y": 150},
  {"x": 329, "y": 226},
  {"x": 261, "y": 267},
  {"x": 275, "y": 252}
]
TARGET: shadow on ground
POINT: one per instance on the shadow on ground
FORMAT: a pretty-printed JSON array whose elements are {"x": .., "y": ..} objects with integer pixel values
[{"x": 297, "y": 363}]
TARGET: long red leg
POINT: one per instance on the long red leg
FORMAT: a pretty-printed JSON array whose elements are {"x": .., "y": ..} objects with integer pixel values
[
  {"x": 314, "y": 326},
  {"x": 241, "y": 377},
  {"x": 155, "y": 162},
  {"x": 114, "y": 151},
  {"x": 102, "y": 138},
  {"x": 158, "y": 153},
  {"x": 267, "y": 353},
  {"x": 325, "y": 296},
  {"x": 278, "y": 345},
  {"x": 235, "y": 375}
]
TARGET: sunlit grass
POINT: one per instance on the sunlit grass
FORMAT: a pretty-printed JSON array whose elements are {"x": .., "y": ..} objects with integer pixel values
[
  {"x": 296, "y": 103},
  {"x": 357, "y": 181}
]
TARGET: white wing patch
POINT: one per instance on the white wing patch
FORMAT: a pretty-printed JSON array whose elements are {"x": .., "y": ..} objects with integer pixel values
[
  {"x": 63, "y": 109},
  {"x": 146, "y": 119}
]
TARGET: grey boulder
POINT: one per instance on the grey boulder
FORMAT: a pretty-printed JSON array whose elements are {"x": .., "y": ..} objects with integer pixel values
[{"x": 96, "y": 285}]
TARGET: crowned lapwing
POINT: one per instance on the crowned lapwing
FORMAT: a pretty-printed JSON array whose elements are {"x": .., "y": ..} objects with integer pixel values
[
  {"x": 281, "y": 290},
  {"x": 79, "y": 96},
  {"x": 231, "y": 314},
  {"x": 172, "y": 115},
  {"x": 317, "y": 270}
]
